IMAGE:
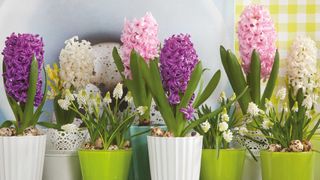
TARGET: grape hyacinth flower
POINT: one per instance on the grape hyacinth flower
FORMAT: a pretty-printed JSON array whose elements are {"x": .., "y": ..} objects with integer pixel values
[
  {"x": 17, "y": 57},
  {"x": 142, "y": 36},
  {"x": 257, "y": 31}
]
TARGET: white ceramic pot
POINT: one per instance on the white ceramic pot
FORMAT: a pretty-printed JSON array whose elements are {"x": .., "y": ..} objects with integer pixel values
[
  {"x": 22, "y": 157},
  {"x": 175, "y": 158},
  {"x": 62, "y": 165},
  {"x": 65, "y": 140}
]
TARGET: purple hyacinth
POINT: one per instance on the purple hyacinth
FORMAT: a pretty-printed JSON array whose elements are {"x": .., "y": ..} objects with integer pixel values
[
  {"x": 177, "y": 61},
  {"x": 18, "y": 52}
]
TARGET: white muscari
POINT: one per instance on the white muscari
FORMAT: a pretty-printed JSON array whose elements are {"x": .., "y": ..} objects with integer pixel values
[
  {"x": 68, "y": 95},
  {"x": 82, "y": 97},
  {"x": 243, "y": 130},
  {"x": 295, "y": 107},
  {"x": 76, "y": 63},
  {"x": 253, "y": 109},
  {"x": 227, "y": 136},
  {"x": 70, "y": 127},
  {"x": 222, "y": 97},
  {"x": 269, "y": 105},
  {"x": 128, "y": 98},
  {"x": 224, "y": 115},
  {"x": 267, "y": 124},
  {"x": 118, "y": 91},
  {"x": 223, "y": 126},
  {"x": 64, "y": 104},
  {"x": 308, "y": 102},
  {"x": 205, "y": 126},
  {"x": 107, "y": 98},
  {"x": 142, "y": 110},
  {"x": 281, "y": 94},
  {"x": 302, "y": 65}
]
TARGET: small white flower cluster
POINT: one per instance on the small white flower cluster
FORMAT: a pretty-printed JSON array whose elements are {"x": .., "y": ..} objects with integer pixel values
[
  {"x": 77, "y": 63},
  {"x": 92, "y": 101},
  {"x": 302, "y": 66},
  {"x": 70, "y": 127},
  {"x": 223, "y": 126}
]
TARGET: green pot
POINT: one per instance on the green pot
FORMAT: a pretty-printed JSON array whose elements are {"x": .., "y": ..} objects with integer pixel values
[
  {"x": 105, "y": 165},
  {"x": 229, "y": 165},
  {"x": 140, "y": 164},
  {"x": 287, "y": 165},
  {"x": 315, "y": 141}
]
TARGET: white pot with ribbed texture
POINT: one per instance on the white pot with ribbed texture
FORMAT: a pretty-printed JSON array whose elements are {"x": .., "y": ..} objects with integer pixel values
[
  {"x": 22, "y": 157},
  {"x": 175, "y": 158}
]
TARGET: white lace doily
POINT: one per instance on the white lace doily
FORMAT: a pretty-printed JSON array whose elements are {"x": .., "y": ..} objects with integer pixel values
[
  {"x": 255, "y": 147},
  {"x": 66, "y": 141}
]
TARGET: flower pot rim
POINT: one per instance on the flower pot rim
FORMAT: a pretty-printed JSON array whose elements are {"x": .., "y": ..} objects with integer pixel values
[
  {"x": 22, "y": 137},
  {"x": 60, "y": 153},
  {"x": 104, "y": 151},
  {"x": 186, "y": 137},
  {"x": 144, "y": 126},
  {"x": 229, "y": 149},
  {"x": 286, "y": 153}
]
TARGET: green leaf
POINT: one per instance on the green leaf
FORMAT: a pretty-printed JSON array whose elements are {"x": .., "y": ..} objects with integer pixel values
[
  {"x": 117, "y": 60},
  {"x": 202, "y": 119},
  {"x": 151, "y": 75},
  {"x": 237, "y": 80},
  {"x": 211, "y": 86},
  {"x": 223, "y": 55},
  {"x": 138, "y": 87},
  {"x": 49, "y": 125},
  {"x": 272, "y": 80},
  {"x": 29, "y": 106},
  {"x": 7, "y": 123},
  {"x": 254, "y": 77},
  {"x": 38, "y": 112}
]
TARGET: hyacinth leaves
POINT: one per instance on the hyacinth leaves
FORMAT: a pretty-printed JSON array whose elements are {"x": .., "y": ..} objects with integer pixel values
[
  {"x": 239, "y": 82},
  {"x": 174, "y": 119},
  {"x": 24, "y": 112},
  {"x": 136, "y": 85}
]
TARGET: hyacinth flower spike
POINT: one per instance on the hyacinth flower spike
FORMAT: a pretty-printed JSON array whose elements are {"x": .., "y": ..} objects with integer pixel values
[
  {"x": 239, "y": 81},
  {"x": 24, "y": 114}
]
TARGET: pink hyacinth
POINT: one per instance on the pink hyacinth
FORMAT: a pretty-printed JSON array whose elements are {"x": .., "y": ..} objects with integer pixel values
[
  {"x": 257, "y": 31},
  {"x": 142, "y": 36}
]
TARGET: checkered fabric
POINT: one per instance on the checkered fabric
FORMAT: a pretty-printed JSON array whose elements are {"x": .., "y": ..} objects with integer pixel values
[{"x": 291, "y": 17}]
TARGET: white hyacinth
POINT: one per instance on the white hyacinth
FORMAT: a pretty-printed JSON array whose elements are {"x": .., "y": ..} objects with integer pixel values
[
  {"x": 281, "y": 94},
  {"x": 302, "y": 64},
  {"x": 76, "y": 62},
  {"x": 118, "y": 91},
  {"x": 227, "y": 136},
  {"x": 64, "y": 104},
  {"x": 205, "y": 126},
  {"x": 223, "y": 126},
  {"x": 253, "y": 109}
]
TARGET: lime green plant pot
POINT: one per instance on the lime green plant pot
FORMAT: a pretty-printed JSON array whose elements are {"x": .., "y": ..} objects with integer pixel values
[
  {"x": 105, "y": 165},
  {"x": 315, "y": 141},
  {"x": 287, "y": 165},
  {"x": 229, "y": 165}
]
